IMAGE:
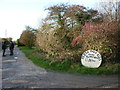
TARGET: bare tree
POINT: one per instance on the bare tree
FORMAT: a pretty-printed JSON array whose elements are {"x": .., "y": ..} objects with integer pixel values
[{"x": 110, "y": 9}]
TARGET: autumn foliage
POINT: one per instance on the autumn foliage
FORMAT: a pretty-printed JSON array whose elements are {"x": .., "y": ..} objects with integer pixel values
[
  {"x": 70, "y": 30},
  {"x": 102, "y": 37},
  {"x": 27, "y": 38}
]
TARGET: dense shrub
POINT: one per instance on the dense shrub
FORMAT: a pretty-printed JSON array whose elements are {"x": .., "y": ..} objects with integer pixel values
[
  {"x": 102, "y": 37},
  {"x": 47, "y": 41},
  {"x": 68, "y": 31},
  {"x": 27, "y": 38}
]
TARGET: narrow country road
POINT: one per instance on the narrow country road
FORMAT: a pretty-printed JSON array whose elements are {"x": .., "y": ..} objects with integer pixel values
[{"x": 20, "y": 72}]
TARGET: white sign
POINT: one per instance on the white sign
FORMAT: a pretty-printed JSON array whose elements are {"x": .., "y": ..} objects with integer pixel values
[{"x": 91, "y": 59}]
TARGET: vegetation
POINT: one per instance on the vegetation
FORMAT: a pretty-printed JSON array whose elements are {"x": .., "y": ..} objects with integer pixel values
[
  {"x": 7, "y": 40},
  {"x": 0, "y": 39},
  {"x": 38, "y": 57},
  {"x": 27, "y": 37},
  {"x": 70, "y": 30},
  {"x": 63, "y": 24},
  {"x": 110, "y": 10}
]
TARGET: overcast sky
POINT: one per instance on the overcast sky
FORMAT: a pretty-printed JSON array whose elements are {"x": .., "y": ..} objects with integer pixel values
[{"x": 15, "y": 14}]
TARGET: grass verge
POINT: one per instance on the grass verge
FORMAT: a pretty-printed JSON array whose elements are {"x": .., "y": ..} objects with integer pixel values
[{"x": 38, "y": 58}]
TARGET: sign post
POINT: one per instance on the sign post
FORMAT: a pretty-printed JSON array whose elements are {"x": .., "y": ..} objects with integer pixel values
[{"x": 91, "y": 59}]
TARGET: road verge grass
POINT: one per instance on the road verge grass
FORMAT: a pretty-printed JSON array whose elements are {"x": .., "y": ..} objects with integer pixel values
[{"x": 68, "y": 66}]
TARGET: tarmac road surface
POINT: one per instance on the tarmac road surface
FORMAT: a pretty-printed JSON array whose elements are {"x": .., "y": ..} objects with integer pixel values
[{"x": 20, "y": 72}]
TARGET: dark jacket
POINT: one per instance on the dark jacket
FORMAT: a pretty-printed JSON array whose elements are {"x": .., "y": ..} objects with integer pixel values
[
  {"x": 11, "y": 45},
  {"x": 4, "y": 45}
]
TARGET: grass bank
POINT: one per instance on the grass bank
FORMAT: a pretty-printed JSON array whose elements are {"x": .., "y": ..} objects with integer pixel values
[{"x": 38, "y": 58}]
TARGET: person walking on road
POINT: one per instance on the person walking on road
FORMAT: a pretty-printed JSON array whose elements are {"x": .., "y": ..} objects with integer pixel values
[
  {"x": 11, "y": 48},
  {"x": 4, "y": 46}
]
